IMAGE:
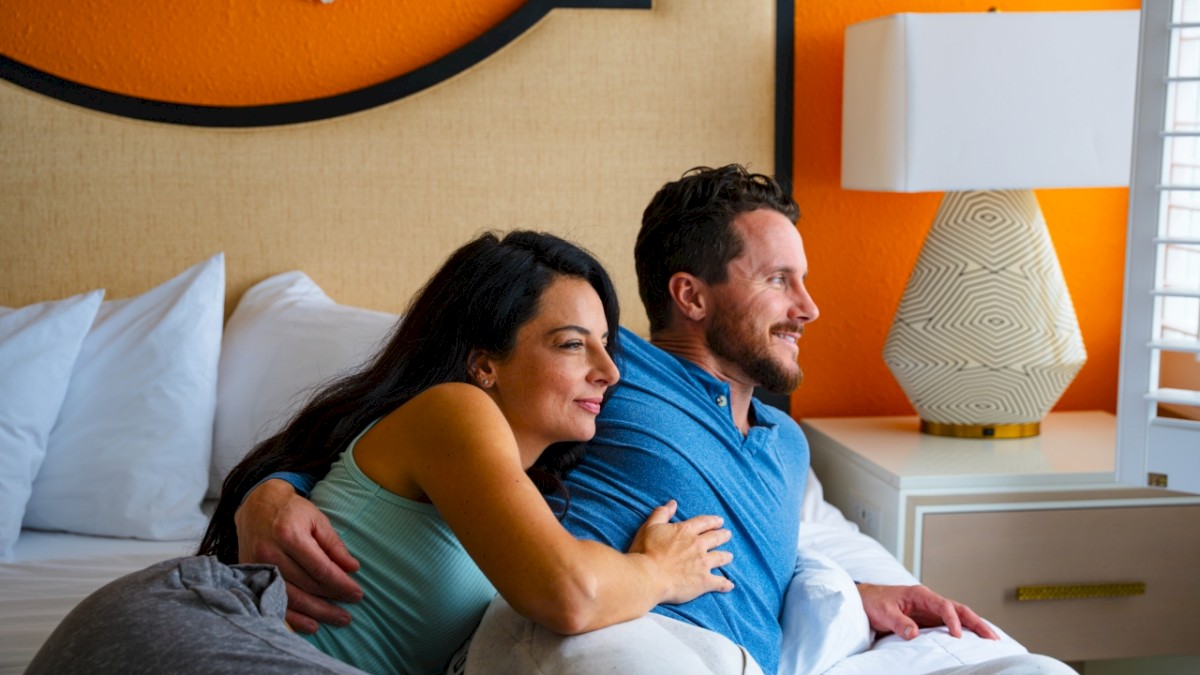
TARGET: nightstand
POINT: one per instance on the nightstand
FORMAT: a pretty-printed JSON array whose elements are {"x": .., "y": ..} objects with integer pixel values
[{"x": 1034, "y": 534}]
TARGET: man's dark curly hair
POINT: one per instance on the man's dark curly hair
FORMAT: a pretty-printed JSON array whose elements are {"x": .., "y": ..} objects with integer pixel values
[{"x": 688, "y": 227}]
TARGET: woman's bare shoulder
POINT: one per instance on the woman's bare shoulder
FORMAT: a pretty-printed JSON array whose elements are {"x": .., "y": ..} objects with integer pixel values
[
  {"x": 450, "y": 396},
  {"x": 451, "y": 408},
  {"x": 441, "y": 427}
]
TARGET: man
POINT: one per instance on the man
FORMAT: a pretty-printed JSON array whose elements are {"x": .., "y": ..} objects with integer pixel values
[{"x": 721, "y": 271}]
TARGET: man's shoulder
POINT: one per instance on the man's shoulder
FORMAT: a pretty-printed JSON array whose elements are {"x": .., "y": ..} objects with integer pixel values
[
  {"x": 636, "y": 345},
  {"x": 642, "y": 362},
  {"x": 772, "y": 414}
]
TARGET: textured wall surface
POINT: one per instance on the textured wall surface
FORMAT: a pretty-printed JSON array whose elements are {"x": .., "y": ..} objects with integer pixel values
[{"x": 562, "y": 130}]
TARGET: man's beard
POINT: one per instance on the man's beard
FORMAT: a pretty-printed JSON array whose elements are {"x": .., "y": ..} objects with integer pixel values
[{"x": 736, "y": 341}]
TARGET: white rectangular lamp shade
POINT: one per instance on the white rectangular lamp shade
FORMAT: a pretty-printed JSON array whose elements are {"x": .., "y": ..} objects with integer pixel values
[{"x": 961, "y": 101}]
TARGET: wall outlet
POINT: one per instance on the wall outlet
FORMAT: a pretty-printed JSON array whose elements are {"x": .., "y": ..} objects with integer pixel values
[{"x": 866, "y": 515}]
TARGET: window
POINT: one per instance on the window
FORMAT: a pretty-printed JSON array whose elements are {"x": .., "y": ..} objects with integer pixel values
[{"x": 1158, "y": 405}]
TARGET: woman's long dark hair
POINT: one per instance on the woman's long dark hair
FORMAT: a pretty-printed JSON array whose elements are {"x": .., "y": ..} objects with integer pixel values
[{"x": 478, "y": 300}]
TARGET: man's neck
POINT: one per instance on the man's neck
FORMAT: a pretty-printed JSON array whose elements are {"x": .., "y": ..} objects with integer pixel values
[{"x": 693, "y": 347}]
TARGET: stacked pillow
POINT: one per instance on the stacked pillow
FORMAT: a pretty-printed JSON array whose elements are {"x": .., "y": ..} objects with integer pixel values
[
  {"x": 108, "y": 417},
  {"x": 284, "y": 340},
  {"x": 38, "y": 348},
  {"x": 117, "y": 418}
]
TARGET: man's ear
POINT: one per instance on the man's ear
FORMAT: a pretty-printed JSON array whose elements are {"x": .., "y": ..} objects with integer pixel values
[{"x": 690, "y": 295}]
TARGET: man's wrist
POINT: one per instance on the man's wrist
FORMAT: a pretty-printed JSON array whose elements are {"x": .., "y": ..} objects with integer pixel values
[{"x": 302, "y": 483}]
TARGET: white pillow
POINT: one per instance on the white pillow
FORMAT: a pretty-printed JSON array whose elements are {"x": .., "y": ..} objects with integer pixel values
[
  {"x": 823, "y": 618},
  {"x": 285, "y": 338},
  {"x": 38, "y": 347},
  {"x": 129, "y": 454},
  {"x": 814, "y": 508}
]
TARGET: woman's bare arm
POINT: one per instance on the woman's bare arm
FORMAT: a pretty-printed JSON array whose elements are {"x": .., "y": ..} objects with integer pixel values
[{"x": 452, "y": 445}]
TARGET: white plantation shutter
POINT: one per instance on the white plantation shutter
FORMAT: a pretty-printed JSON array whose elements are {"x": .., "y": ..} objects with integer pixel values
[{"x": 1158, "y": 408}]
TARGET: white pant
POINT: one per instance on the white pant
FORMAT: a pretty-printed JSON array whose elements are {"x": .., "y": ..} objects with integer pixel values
[
  {"x": 506, "y": 642},
  {"x": 936, "y": 652}
]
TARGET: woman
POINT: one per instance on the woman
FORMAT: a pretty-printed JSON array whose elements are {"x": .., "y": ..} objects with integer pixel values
[{"x": 435, "y": 452}]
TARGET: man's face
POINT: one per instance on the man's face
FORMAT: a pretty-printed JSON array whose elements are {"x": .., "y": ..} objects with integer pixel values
[{"x": 760, "y": 311}]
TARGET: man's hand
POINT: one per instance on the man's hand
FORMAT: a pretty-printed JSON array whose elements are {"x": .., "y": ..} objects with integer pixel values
[
  {"x": 277, "y": 526},
  {"x": 904, "y": 610}
]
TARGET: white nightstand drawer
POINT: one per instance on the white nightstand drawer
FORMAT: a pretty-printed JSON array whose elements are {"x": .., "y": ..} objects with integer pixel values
[
  {"x": 976, "y": 519},
  {"x": 981, "y": 558}
]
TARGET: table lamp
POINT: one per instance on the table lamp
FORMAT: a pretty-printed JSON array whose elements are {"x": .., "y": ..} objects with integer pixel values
[{"x": 986, "y": 107}]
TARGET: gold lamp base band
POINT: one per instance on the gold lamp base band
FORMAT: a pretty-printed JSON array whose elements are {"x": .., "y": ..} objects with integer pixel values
[{"x": 1020, "y": 430}]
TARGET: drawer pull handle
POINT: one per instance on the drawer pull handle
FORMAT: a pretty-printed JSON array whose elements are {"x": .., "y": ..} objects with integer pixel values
[{"x": 1079, "y": 591}]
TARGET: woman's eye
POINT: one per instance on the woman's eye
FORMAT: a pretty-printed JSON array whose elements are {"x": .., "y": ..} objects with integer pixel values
[{"x": 573, "y": 344}]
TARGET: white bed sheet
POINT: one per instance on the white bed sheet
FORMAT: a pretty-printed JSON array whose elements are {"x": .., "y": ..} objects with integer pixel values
[
  {"x": 35, "y": 547},
  {"x": 35, "y": 596}
]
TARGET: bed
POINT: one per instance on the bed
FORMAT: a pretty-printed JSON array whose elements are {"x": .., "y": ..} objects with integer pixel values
[{"x": 179, "y": 276}]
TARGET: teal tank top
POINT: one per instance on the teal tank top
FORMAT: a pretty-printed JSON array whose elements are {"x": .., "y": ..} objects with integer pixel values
[{"x": 422, "y": 593}]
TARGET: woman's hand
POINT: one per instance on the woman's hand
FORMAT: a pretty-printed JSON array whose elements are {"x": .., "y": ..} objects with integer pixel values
[{"x": 684, "y": 553}]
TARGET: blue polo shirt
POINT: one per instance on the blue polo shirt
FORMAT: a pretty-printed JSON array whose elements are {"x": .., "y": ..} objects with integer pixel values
[{"x": 667, "y": 432}]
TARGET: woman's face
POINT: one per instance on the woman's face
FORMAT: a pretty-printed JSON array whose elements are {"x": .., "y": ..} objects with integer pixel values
[{"x": 551, "y": 386}]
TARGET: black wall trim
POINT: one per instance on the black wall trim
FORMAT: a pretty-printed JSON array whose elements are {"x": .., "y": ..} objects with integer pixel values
[
  {"x": 301, "y": 111},
  {"x": 386, "y": 92},
  {"x": 785, "y": 58}
]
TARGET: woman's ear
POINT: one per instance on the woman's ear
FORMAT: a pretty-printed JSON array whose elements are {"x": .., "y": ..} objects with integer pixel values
[
  {"x": 480, "y": 368},
  {"x": 689, "y": 295}
]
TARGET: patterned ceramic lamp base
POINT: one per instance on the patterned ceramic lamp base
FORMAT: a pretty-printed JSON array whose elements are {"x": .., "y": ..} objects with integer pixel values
[{"x": 985, "y": 335}]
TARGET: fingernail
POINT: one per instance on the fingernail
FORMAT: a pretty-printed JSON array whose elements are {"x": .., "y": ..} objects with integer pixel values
[{"x": 908, "y": 632}]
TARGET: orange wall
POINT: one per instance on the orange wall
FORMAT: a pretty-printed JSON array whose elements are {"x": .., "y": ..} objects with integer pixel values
[
  {"x": 238, "y": 52},
  {"x": 861, "y": 245}
]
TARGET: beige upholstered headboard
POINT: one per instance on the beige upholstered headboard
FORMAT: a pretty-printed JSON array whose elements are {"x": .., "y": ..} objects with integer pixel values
[{"x": 569, "y": 128}]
